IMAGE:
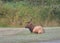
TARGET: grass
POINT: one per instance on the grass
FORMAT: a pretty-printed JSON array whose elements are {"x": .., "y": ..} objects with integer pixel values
[
  {"x": 24, "y": 36},
  {"x": 17, "y": 14}
]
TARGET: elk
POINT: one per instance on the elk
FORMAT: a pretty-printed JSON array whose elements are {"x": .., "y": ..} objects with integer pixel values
[{"x": 34, "y": 29}]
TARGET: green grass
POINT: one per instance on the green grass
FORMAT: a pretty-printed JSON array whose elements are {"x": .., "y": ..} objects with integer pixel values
[{"x": 19, "y": 13}]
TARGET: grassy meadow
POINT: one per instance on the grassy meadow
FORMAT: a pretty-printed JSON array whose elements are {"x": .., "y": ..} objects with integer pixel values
[
  {"x": 16, "y": 14},
  {"x": 22, "y": 35}
]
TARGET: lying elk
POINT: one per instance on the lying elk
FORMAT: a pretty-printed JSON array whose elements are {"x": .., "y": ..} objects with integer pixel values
[{"x": 34, "y": 29}]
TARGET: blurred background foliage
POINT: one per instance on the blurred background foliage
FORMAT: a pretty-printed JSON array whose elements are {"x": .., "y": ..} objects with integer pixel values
[{"x": 15, "y": 13}]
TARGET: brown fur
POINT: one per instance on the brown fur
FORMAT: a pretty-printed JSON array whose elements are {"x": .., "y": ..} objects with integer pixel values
[{"x": 34, "y": 29}]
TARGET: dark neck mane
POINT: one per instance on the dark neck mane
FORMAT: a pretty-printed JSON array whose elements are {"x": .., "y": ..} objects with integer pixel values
[{"x": 30, "y": 26}]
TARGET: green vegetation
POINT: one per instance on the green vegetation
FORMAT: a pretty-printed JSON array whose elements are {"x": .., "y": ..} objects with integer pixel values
[{"x": 16, "y": 13}]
